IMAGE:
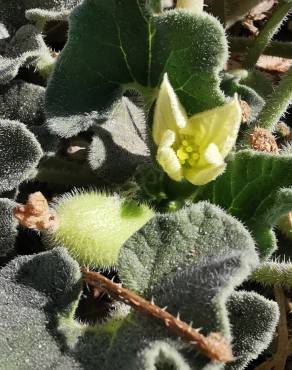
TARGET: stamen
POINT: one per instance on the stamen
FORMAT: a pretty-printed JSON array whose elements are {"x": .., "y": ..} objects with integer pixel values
[
  {"x": 182, "y": 155},
  {"x": 187, "y": 153}
]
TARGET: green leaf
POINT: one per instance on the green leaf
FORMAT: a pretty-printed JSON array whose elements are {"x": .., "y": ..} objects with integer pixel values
[
  {"x": 259, "y": 82},
  {"x": 3, "y": 32},
  {"x": 27, "y": 47},
  {"x": 34, "y": 291},
  {"x": 254, "y": 189},
  {"x": 22, "y": 101},
  {"x": 13, "y": 12},
  {"x": 19, "y": 154},
  {"x": 201, "y": 231},
  {"x": 39, "y": 296},
  {"x": 8, "y": 225},
  {"x": 119, "y": 143},
  {"x": 231, "y": 85},
  {"x": 198, "y": 293},
  {"x": 122, "y": 45},
  {"x": 253, "y": 320}
]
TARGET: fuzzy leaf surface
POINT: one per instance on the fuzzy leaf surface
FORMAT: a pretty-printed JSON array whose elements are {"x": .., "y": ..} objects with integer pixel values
[
  {"x": 254, "y": 320},
  {"x": 210, "y": 282},
  {"x": 20, "y": 153},
  {"x": 123, "y": 45},
  {"x": 39, "y": 293},
  {"x": 173, "y": 241},
  {"x": 13, "y": 12},
  {"x": 255, "y": 188},
  {"x": 119, "y": 143},
  {"x": 34, "y": 290},
  {"x": 3, "y": 32},
  {"x": 8, "y": 225},
  {"x": 230, "y": 85},
  {"x": 22, "y": 101},
  {"x": 37, "y": 298},
  {"x": 259, "y": 83},
  {"x": 27, "y": 47}
]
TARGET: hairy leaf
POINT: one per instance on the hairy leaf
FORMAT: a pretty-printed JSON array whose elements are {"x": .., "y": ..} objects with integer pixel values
[
  {"x": 25, "y": 48},
  {"x": 254, "y": 189},
  {"x": 34, "y": 291},
  {"x": 8, "y": 224},
  {"x": 231, "y": 85},
  {"x": 121, "y": 45},
  {"x": 19, "y": 154},
  {"x": 13, "y": 12},
  {"x": 172, "y": 241},
  {"x": 22, "y": 101},
  {"x": 118, "y": 145},
  {"x": 210, "y": 282},
  {"x": 259, "y": 82},
  {"x": 43, "y": 289},
  {"x": 3, "y": 32},
  {"x": 254, "y": 320}
]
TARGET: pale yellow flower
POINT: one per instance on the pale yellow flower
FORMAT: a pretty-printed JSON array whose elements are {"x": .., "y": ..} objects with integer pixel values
[
  {"x": 194, "y": 6},
  {"x": 193, "y": 148}
]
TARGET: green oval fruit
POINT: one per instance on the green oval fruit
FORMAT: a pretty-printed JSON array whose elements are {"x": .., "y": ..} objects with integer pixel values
[{"x": 93, "y": 226}]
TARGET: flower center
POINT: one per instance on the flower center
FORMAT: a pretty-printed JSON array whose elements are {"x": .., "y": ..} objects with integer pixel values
[{"x": 188, "y": 152}]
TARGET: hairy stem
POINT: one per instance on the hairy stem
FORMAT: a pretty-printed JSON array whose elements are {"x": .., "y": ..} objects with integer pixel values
[
  {"x": 213, "y": 346},
  {"x": 277, "y": 103},
  {"x": 219, "y": 9},
  {"x": 273, "y": 273},
  {"x": 155, "y": 5},
  {"x": 267, "y": 33},
  {"x": 275, "y": 48}
]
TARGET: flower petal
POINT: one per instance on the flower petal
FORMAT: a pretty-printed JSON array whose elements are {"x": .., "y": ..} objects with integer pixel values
[
  {"x": 204, "y": 175},
  {"x": 219, "y": 126},
  {"x": 213, "y": 156},
  {"x": 169, "y": 113},
  {"x": 194, "y": 6},
  {"x": 167, "y": 158}
]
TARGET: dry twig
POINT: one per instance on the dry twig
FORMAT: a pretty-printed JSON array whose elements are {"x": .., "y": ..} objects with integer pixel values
[
  {"x": 213, "y": 346},
  {"x": 35, "y": 214}
]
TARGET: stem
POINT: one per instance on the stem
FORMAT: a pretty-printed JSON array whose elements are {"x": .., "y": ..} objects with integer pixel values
[
  {"x": 273, "y": 273},
  {"x": 219, "y": 9},
  {"x": 275, "y": 48},
  {"x": 276, "y": 104},
  {"x": 155, "y": 6},
  {"x": 214, "y": 346},
  {"x": 266, "y": 34}
]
